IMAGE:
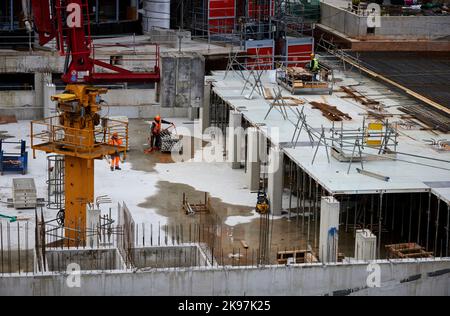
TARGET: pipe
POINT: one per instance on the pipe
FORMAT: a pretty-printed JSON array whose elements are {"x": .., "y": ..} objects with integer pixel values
[{"x": 27, "y": 15}]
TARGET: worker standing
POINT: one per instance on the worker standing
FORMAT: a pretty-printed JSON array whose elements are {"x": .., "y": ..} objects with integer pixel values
[
  {"x": 155, "y": 137},
  {"x": 314, "y": 67},
  {"x": 115, "y": 141}
]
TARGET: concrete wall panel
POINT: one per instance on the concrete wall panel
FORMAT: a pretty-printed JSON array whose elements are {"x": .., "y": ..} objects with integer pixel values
[{"x": 314, "y": 279}]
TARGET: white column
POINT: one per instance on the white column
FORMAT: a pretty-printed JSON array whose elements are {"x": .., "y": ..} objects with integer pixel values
[
  {"x": 329, "y": 229},
  {"x": 234, "y": 142},
  {"x": 365, "y": 245},
  {"x": 92, "y": 221},
  {"x": 40, "y": 82},
  {"x": 253, "y": 161},
  {"x": 204, "y": 111},
  {"x": 275, "y": 182},
  {"x": 49, "y": 105}
]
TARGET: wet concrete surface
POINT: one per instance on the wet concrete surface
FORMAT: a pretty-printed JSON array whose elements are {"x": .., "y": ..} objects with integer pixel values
[{"x": 286, "y": 234}]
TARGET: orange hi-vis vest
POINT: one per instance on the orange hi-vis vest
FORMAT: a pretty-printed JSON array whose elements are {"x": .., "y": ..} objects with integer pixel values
[
  {"x": 157, "y": 129},
  {"x": 115, "y": 142}
]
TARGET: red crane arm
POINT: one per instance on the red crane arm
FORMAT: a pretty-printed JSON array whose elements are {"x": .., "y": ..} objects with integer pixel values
[{"x": 68, "y": 21}]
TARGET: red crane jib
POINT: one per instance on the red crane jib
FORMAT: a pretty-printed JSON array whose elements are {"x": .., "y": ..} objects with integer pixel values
[{"x": 68, "y": 22}]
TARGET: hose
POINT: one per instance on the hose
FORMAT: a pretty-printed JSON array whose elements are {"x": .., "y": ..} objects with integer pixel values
[{"x": 12, "y": 219}]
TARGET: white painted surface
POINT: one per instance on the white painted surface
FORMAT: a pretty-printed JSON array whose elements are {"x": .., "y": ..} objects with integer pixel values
[
  {"x": 329, "y": 229},
  {"x": 365, "y": 245},
  {"x": 253, "y": 162},
  {"x": 275, "y": 181}
]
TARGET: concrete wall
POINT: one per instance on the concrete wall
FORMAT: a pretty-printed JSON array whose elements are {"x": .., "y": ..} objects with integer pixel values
[
  {"x": 391, "y": 27},
  {"x": 44, "y": 63},
  {"x": 15, "y": 261},
  {"x": 343, "y": 21},
  {"x": 22, "y": 104},
  {"x": 169, "y": 257},
  {"x": 133, "y": 103},
  {"x": 87, "y": 259},
  {"x": 426, "y": 27},
  {"x": 426, "y": 277},
  {"x": 182, "y": 80},
  {"x": 170, "y": 38}
]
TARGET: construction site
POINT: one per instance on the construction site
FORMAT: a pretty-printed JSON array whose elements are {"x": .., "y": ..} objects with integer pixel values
[{"x": 225, "y": 148}]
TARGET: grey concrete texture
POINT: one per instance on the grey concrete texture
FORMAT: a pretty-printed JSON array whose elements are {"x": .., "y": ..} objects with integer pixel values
[
  {"x": 88, "y": 259},
  {"x": 15, "y": 261},
  {"x": 182, "y": 79},
  {"x": 429, "y": 277},
  {"x": 169, "y": 257},
  {"x": 391, "y": 27},
  {"x": 169, "y": 38}
]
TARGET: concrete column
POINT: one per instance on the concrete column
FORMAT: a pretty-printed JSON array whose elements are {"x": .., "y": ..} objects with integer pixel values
[
  {"x": 329, "y": 229},
  {"x": 365, "y": 245},
  {"x": 193, "y": 113},
  {"x": 40, "y": 81},
  {"x": 157, "y": 92},
  {"x": 205, "y": 119},
  {"x": 49, "y": 105},
  {"x": 253, "y": 161},
  {"x": 234, "y": 142},
  {"x": 92, "y": 221},
  {"x": 275, "y": 183}
]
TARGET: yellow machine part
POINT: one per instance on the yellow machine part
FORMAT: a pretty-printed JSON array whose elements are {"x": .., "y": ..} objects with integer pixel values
[
  {"x": 64, "y": 97},
  {"x": 262, "y": 208}
]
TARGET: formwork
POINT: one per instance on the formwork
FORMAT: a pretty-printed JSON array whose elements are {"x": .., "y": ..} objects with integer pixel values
[{"x": 24, "y": 193}]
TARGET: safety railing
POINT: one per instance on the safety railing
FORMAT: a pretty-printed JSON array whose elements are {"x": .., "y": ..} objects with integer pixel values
[{"x": 50, "y": 132}]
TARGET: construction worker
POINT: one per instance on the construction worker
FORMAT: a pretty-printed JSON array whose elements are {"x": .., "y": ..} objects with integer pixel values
[
  {"x": 115, "y": 158},
  {"x": 314, "y": 67},
  {"x": 155, "y": 137}
]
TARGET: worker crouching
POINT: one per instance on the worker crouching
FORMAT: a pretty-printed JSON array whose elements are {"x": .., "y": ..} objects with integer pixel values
[
  {"x": 155, "y": 134},
  {"x": 115, "y": 141}
]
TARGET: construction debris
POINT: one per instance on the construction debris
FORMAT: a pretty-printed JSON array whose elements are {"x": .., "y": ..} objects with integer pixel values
[
  {"x": 296, "y": 256},
  {"x": 407, "y": 251},
  {"x": 192, "y": 209},
  {"x": 331, "y": 112},
  {"x": 364, "y": 100}
]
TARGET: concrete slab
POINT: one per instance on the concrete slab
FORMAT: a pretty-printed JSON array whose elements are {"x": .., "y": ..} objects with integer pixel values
[{"x": 407, "y": 173}]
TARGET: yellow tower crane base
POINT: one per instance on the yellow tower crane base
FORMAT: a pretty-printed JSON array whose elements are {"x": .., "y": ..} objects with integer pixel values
[{"x": 81, "y": 136}]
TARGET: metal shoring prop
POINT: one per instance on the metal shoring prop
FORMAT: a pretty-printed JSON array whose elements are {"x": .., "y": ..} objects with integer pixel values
[{"x": 322, "y": 138}]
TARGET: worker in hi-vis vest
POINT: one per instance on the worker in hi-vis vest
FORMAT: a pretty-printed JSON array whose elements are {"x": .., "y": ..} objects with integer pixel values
[
  {"x": 155, "y": 136},
  {"x": 314, "y": 67},
  {"x": 115, "y": 141}
]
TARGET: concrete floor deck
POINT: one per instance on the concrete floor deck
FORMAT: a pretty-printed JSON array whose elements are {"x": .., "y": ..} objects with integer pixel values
[{"x": 407, "y": 173}]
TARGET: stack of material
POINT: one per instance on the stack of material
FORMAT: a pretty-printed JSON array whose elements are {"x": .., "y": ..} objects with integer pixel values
[
  {"x": 407, "y": 251},
  {"x": 24, "y": 193},
  {"x": 192, "y": 209},
  {"x": 361, "y": 98},
  {"x": 296, "y": 256},
  {"x": 298, "y": 73},
  {"x": 330, "y": 112}
]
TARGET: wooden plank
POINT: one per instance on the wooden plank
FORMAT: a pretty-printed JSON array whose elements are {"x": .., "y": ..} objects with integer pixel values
[
  {"x": 244, "y": 244},
  {"x": 268, "y": 94}
]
